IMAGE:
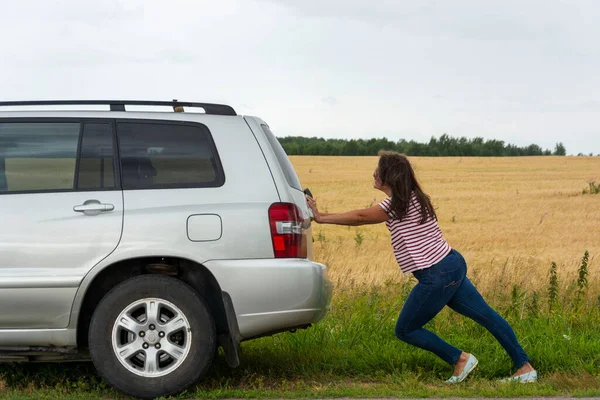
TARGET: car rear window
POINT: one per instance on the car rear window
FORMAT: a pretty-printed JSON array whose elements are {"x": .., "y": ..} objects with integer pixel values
[
  {"x": 282, "y": 158},
  {"x": 167, "y": 155}
]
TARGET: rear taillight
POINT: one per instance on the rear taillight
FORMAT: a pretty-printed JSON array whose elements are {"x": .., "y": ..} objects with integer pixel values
[{"x": 286, "y": 230}]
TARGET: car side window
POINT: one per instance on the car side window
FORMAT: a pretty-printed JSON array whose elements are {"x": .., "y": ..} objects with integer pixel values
[
  {"x": 167, "y": 155},
  {"x": 38, "y": 156}
]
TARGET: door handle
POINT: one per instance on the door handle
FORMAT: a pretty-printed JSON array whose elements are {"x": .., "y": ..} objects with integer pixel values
[{"x": 93, "y": 207}]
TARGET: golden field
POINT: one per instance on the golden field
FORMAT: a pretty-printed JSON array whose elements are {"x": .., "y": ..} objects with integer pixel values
[{"x": 509, "y": 217}]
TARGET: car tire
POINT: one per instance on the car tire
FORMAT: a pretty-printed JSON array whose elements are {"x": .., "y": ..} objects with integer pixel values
[{"x": 144, "y": 362}]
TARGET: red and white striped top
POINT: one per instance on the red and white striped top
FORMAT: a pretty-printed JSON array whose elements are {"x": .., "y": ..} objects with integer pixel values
[{"x": 416, "y": 246}]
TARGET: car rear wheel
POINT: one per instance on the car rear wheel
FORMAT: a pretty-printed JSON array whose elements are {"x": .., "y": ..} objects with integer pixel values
[{"x": 152, "y": 336}]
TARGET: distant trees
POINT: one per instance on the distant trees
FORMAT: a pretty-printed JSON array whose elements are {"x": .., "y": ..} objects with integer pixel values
[
  {"x": 560, "y": 150},
  {"x": 443, "y": 146}
]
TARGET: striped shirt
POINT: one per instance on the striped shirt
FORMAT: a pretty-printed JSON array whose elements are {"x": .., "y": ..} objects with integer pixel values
[{"x": 416, "y": 246}]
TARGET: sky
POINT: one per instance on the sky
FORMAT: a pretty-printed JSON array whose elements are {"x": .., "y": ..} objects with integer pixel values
[{"x": 522, "y": 71}]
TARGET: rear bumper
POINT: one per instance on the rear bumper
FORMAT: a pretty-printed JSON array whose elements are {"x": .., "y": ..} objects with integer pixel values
[{"x": 273, "y": 295}]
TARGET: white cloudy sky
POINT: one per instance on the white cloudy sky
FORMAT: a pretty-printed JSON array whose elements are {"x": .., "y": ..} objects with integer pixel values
[{"x": 524, "y": 71}]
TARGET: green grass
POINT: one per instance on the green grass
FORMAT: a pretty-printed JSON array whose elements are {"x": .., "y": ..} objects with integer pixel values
[{"x": 353, "y": 352}]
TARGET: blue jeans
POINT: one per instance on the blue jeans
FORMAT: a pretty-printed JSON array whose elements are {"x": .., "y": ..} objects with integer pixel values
[{"x": 446, "y": 283}]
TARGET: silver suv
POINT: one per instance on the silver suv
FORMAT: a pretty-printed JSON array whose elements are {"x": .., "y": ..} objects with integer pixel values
[{"x": 143, "y": 240}]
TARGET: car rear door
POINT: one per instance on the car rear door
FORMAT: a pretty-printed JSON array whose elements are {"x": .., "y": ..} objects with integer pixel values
[{"x": 61, "y": 212}]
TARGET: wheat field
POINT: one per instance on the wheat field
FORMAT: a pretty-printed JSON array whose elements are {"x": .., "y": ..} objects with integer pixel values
[{"x": 509, "y": 217}]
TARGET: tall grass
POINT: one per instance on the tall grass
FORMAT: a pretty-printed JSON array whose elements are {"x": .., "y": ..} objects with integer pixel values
[
  {"x": 553, "y": 287},
  {"x": 593, "y": 188},
  {"x": 582, "y": 281}
]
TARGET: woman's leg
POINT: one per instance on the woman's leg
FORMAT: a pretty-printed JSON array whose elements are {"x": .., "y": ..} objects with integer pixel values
[
  {"x": 424, "y": 302},
  {"x": 468, "y": 302}
]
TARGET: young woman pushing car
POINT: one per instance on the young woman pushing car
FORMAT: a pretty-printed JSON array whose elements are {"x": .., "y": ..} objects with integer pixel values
[{"x": 440, "y": 270}]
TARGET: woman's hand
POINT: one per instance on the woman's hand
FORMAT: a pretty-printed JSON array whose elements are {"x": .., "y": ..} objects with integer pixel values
[{"x": 312, "y": 204}]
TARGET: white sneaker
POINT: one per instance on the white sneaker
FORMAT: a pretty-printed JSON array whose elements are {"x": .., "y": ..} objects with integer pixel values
[
  {"x": 469, "y": 367},
  {"x": 529, "y": 377}
]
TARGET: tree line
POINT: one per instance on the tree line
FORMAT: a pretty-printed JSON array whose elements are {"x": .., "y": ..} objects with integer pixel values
[{"x": 443, "y": 146}]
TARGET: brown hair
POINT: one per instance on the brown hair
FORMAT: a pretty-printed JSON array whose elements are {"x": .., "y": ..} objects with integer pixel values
[{"x": 395, "y": 170}]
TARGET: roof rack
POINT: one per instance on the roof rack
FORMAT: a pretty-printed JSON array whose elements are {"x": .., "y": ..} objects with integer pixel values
[{"x": 119, "y": 105}]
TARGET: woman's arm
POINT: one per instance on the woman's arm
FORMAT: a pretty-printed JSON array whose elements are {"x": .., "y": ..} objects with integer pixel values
[{"x": 371, "y": 215}]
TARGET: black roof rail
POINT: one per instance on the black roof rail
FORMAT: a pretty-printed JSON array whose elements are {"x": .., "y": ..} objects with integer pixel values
[{"x": 119, "y": 105}]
